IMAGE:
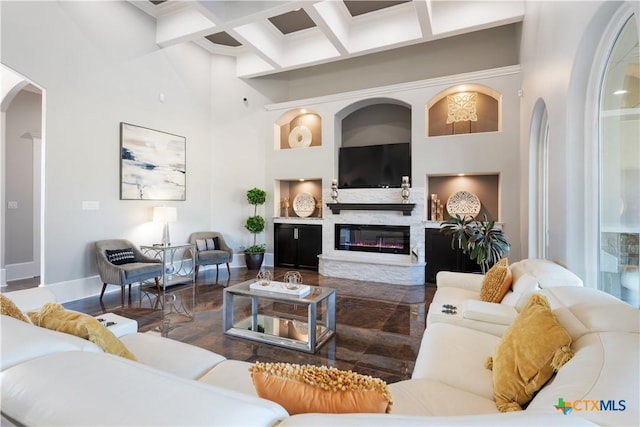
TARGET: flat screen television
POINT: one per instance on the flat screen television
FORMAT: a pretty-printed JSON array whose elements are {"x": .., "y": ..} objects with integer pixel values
[{"x": 374, "y": 166}]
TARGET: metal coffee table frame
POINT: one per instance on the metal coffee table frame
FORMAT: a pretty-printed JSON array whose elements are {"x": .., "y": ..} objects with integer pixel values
[{"x": 319, "y": 296}]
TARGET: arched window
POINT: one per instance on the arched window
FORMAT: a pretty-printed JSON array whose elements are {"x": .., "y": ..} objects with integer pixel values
[{"x": 619, "y": 166}]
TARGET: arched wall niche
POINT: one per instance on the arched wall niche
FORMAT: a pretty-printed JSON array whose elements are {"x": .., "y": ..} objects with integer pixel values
[
  {"x": 475, "y": 109},
  {"x": 298, "y": 128},
  {"x": 373, "y": 143},
  {"x": 373, "y": 121}
]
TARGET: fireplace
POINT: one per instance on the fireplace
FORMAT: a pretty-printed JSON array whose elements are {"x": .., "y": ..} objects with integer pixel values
[{"x": 391, "y": 239}]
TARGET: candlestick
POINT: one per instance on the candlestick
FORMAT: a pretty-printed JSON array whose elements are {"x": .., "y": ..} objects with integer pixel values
[
  {"x": 334, "y": 190},
  {"x": 405, "y": 189}
]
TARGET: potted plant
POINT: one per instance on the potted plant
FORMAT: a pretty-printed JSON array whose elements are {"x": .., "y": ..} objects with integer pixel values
[
  {"x": 254, "y": 254},
  {"x": 481, "y": 239}
]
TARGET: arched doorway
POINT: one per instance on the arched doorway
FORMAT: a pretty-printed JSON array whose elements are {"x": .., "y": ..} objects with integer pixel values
[{"x": 21, "y": 193}]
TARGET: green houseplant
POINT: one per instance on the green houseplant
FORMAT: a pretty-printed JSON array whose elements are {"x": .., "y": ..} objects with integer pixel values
[
  {"x": 481, "y": 239},
  {"x": 254, "y": 254}
]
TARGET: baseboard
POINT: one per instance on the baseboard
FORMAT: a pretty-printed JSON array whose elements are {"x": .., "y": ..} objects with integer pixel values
[
  {"x": 73, "y": 290},
  {"x": 23, "y": 270}
]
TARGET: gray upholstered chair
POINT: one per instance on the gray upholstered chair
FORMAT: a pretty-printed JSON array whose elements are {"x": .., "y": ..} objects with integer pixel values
[
  {"x": 206, "y": 256},
  {"x": 122, "y": 263}
]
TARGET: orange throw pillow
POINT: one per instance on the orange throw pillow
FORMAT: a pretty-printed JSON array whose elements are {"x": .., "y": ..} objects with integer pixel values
[
  {"x": 304, "y": 389},
  {"x": 496, "y": 282}
]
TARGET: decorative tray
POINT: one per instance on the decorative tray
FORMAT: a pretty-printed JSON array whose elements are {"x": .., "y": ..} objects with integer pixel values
[{"x": 281, "y": 287}]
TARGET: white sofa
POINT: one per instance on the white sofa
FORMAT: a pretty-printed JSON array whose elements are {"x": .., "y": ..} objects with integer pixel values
[
  {"x": 50, "y": 378},
  {"x": 462, "y": 291}
]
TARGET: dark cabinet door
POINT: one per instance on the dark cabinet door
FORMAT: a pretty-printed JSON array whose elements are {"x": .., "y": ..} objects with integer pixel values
[
  {"x": 286, "y": 247},
  {"x": 440, "y": 257},
  {"x": 297, "y": 246},
  {"x": 309, "y": 246}
]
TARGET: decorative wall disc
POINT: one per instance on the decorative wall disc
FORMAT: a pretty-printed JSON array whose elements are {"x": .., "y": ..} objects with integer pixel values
[
  {"x": 463, "y": 203},
  {"x": 304, "y": 204},
  {"x": 300, "y": 136}
]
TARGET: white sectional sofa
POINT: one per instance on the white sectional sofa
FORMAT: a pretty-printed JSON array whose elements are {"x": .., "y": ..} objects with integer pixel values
[
  {"x": 462, "y": 291},
  {"x": 49, "y": 378}
]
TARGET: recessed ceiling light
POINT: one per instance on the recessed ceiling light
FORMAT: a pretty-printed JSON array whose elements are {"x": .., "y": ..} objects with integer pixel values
[
  {"x": 460, "y": 174},
  {"x": 620, "y": 92},
  {"x": 301, "y": 179}
]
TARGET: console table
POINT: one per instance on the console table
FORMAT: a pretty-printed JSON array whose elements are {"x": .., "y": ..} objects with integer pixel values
[
  {"x": 177, "y": 294},
  {"x": 284, "y": 319}
]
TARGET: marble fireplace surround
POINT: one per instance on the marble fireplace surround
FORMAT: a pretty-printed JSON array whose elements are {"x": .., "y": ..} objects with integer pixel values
[{"x": 397, "y": 269}]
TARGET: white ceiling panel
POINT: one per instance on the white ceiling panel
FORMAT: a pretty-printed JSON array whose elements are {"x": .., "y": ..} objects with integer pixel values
[{"x": 337, "y": 34}]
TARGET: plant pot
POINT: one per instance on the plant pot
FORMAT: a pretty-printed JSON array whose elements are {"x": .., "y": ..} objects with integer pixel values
[{"x": 254, "y": 260}]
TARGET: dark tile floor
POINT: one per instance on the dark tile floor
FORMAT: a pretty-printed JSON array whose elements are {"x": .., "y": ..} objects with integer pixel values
[{"x": 379, "y": 326}]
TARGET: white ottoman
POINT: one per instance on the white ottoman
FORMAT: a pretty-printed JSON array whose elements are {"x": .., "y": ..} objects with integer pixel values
[{"x": 119, "y": 325}]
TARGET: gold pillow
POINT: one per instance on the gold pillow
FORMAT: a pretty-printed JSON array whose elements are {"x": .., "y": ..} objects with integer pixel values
[
  {"x": 319, "y": 389},
  {"x": 496, "y": 282},
  {"x": 8, "y": 308},
  {"x": 533, "y": 348},
  {"x": 54, "y": 316}
]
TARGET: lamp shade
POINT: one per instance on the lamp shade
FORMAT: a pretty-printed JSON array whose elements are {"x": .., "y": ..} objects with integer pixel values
[{"x": 165, "y": 214}]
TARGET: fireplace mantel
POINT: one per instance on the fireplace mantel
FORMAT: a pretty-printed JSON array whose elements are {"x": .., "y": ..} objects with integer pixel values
[{"x": 405, "y": 208}]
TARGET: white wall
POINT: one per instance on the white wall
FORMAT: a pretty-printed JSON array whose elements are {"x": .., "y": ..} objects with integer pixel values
[
  {"x": 23, "y": 116},
  {"x": 100, "y": 65},
  {"x": 241, "y": 137}
]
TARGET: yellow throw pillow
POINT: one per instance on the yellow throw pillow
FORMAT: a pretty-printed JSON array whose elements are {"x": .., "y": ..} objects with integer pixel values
[
  {"x": 319, "y": 389},
  {"x": 496, "y": 282},
  {"x": 54, "y": 316},
  {"x": 531, "y": 350},
  {"x": 8, "y": 308}
]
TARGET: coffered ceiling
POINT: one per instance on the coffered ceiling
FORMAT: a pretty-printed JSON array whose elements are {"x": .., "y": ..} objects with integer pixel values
[{"x": 269, "y": 37}]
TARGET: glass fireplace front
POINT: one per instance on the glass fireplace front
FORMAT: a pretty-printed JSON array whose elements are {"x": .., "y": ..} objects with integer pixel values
[{"x": 391, "y": 239}]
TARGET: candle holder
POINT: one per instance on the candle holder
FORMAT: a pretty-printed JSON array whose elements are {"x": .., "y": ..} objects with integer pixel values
[
  {"x": 334, "y": 190},
  {"x": 433, "y": 211},
  {"x": 405, "y": 189}
]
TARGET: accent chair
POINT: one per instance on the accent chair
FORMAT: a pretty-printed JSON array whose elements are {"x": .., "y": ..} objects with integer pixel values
[
  {"x": 211, "y": 249},
  {"x": 122, "y": 263}
]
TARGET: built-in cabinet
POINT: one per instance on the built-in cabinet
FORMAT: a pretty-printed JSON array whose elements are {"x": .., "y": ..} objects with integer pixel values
[
  {"x": 440, "y": 257},
  {"x": 297, "y": 245}
]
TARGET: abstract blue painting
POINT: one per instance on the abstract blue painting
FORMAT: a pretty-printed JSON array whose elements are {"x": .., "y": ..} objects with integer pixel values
[{"x": 153, "y": 164}]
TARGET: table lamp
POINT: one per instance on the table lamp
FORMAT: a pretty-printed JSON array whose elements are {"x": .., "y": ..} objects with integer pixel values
[{"x": 165, "y": 215}]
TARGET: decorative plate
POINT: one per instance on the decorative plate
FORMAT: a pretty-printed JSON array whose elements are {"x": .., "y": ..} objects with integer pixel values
[
  {"x": 304, "y": 204},
  {"x": 300, "y": 136},
  {"x": 463, "y": 203}
]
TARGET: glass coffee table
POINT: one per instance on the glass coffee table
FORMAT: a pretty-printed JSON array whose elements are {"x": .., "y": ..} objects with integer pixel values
[{"x": 302, "y": 319}]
